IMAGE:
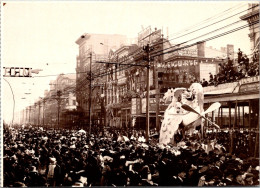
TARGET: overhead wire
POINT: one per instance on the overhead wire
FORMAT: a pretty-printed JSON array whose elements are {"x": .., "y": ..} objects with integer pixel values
[
  {"x": 154, "y": 55},
  {"x": 190, "y": 45},
  {"x": 13, "y": 99},
  {"x": 178, "y": 45},
  {"x": 211, "y": 24},
  {"x": 208, "y": 25},
  {"x": 210, "y": 18},
  {"x": 169, "y": 39}
]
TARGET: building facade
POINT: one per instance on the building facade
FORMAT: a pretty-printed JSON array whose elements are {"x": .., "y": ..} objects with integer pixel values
[
  {"x": 119, "y": 84},
  {"x": 89, "y": 83},
  {"x": 252, "y": 18},
  {"x": 57, "y": 108}
]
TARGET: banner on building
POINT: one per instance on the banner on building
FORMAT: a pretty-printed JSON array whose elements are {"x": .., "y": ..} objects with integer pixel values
[
  {"x": 135, "y": 106},
  {"x": 152, "y": 105},
  {"x": 143, "y": 36}
]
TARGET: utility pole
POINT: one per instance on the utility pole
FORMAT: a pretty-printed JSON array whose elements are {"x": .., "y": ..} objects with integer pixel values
[
  {"x": 157, "y": 97},
  {"x": 43, "y": 108},
  {"x": 147, "y": 50},
  {"x": 59, "y": 101},
  {"x": 157, "y": 87},
  {"x": 90, "y": 90},
  {"x": 105, "y": 98},
  {"x": 35, "y": 117},
  {"x": 26, "y": 115},
  {"x": 39, "y": 122},
  {"x": 30, "y": 114}
]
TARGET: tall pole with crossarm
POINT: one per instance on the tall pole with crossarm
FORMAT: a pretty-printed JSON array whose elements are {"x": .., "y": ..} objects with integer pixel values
[
  {"x": 147, "y": 50},
  {"x": 90, "y": 90}
]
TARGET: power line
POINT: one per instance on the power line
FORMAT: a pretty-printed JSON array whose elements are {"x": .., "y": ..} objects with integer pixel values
[
  {"x": 208, "y": 39},
  {"x": 208, "y": 25},
  {"x": 129, "y": 66},
  {"x": 177, "y": 45},
  {"x": 13, "y": 99},
  {"x": 117, "y": 70},
  {"x": 200, "y": 29},
  {"x": 209, "y": 19},
  {"x": 170, "y": 39}
]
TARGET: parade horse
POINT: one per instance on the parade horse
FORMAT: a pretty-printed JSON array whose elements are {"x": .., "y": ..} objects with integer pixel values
[{"x": 184, "y": 113}]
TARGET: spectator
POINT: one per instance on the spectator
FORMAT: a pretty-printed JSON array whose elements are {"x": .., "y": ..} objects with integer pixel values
[
  {"x": 239, "y": 55},
  {"x": 69, "y": 158},
  {"x": 204, "y": 83},
  {"x": 211, "y": 79},
  {"x": 246, "y": 62},
  {"x": 229, "y": 73}
]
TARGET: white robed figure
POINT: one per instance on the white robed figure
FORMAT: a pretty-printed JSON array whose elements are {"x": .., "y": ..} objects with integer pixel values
[{"x": 186, "y": 108}]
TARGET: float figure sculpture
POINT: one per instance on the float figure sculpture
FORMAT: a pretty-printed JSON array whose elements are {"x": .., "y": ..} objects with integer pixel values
[{"x": 184, "y": 113}]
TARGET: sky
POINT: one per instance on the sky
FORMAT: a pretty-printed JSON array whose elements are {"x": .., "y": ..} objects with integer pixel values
[{"x": 42, "y": 34}]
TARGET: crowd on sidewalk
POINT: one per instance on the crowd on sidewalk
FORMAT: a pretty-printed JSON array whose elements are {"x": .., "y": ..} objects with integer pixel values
[
  {"x": 228, "y": 72},
  {"x": 48, "y": 157}
]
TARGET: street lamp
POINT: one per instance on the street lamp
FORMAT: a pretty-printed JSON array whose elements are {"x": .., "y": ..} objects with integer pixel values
[
  {"x": 103, "y": 108},
  {"x": 90, "y": 89}
]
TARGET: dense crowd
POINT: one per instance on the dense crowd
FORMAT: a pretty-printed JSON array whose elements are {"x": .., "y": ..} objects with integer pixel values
[
  {"x": 228, "y": 72},
  {"x": 38, "y": 157}
]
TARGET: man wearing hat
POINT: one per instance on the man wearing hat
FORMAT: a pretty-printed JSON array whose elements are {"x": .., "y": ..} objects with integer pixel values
[
  {"x": 50, "y": 171},
  {"x": 229, "y": 174}
]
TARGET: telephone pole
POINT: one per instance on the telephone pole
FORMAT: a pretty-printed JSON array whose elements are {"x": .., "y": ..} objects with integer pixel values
[
  {"x": 90, "y": 90},
  {"x": 35, "y": 117},
  {"x": 43, "y": 108},
  {"x": 39, "y": 122},
  {"x": 30, "y": 107},
  {"x": 147, "y": 57},
  {"x": 157, "y": 97},
  {"x": 59, "y": 102}
]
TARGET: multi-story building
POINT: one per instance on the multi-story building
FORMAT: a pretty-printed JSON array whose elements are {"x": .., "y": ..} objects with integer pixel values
[
  {"x": 92, "y": 48},
  {"x": 119, "y": 86},
  {"x": 58, "y": 106}
]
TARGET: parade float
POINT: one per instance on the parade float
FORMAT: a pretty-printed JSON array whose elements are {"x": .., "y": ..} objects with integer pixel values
[{"x": 184, "y": 113}]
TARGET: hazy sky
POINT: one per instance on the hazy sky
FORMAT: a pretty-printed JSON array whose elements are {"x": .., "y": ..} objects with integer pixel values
[{"x": 35, "y": 34}]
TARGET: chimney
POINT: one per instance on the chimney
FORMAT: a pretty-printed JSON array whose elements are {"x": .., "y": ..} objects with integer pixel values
[
  {"x": 201, "y": 49},
  {"x": 230, "y": 51}
]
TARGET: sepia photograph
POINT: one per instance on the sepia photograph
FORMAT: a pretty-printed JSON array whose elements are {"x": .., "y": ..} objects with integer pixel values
[{"x": 129, "y": 93}]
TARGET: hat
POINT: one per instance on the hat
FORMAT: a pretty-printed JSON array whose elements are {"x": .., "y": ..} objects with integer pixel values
[
  {"x": 34, "y": 169},
  {"x": 78, "y": 184},
  {"x": 203, "y": 169},
  {"x": 52, "y": 159},
  {"x": 19, "y": 184}
]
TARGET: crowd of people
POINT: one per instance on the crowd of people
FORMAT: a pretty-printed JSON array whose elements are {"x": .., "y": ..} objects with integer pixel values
[
  {"x": 48, "y": 157},
  {"x": 228, "y": 72}
]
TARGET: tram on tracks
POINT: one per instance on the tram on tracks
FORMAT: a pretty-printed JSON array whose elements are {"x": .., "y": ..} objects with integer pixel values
[{"x": 239, "y": 109}]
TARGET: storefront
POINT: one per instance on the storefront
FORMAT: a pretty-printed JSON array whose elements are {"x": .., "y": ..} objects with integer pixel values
[{"x": 187, "y": 69}]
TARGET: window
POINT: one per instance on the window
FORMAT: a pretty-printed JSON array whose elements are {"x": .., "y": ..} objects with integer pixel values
[{"x": 74, "y": 102}]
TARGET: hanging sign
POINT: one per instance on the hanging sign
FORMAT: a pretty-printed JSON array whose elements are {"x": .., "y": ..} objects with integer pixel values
[{"x": 17, "y": 72}]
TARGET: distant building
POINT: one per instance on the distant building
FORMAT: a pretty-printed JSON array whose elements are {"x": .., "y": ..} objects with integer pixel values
[
  {"x": 215, "y": 53},
  {"x": 59, "y": 101}
]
